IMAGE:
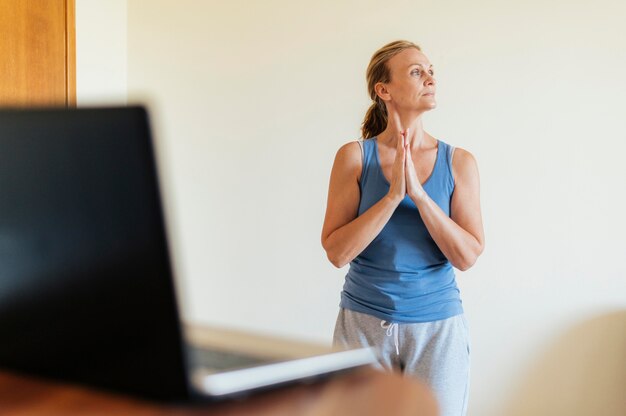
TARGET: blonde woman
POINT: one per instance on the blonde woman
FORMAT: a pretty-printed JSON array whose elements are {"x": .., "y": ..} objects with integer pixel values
[{"x": 403, "y": 210}]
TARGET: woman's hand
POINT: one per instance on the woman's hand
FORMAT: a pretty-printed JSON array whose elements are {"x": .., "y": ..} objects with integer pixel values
[
  {"x": 413, "y": 186},
  {"x": 397, "y": 190}
]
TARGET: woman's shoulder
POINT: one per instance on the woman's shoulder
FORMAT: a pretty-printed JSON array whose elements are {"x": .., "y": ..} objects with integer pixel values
[
  {"x": 349, "y": 157},
  {"x": 460, "y": 156},
  {"x": 351, "y": 150},
  {"x": 463, "y": 163}
]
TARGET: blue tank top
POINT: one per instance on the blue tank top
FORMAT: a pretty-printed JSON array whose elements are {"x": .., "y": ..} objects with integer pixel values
[{"x": 402, "y": 275}]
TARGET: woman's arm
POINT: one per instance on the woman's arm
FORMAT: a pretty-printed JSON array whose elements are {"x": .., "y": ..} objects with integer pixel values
[
  {"x": 460, "y": 237},
  {"x": 344, "y": 234}
]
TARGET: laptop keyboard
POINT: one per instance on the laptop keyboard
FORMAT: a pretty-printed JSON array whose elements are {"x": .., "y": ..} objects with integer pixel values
[{"x": 224, "y": 360}]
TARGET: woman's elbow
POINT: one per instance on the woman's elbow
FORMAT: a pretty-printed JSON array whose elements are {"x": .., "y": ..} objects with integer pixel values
[
  {"x": 337, "y": 261},
  {"x": 464, "y": 264},
  {"x": 467, "y": 261}
]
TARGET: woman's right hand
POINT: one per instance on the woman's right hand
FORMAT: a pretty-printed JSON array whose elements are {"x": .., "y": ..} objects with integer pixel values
[{"x": 397, "y": 190}]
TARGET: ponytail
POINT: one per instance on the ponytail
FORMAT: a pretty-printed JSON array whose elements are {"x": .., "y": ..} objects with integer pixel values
[{"x": 375, "y": 120}]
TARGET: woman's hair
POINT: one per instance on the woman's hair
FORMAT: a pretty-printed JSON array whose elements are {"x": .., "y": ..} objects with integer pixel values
[{"x": 375, "y": 120}]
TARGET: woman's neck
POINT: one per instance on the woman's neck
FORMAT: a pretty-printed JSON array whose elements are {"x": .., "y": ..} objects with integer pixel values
[{"x": 418, "y": 138}]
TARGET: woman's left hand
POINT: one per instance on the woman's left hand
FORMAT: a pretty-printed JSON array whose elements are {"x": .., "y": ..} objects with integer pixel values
[{"x": 413, "y": 186}]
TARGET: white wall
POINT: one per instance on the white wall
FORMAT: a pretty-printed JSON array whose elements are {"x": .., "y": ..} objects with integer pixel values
[
  {"x": 251, "y": 100},
  {"x": 101, "y": 55}
]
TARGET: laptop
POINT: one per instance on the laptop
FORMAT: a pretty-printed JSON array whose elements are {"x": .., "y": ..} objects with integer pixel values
[{"x": 86, "y": 286}]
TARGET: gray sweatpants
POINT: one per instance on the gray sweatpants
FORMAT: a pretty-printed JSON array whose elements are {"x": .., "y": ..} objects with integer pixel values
[{"x": 437, "y": 352}]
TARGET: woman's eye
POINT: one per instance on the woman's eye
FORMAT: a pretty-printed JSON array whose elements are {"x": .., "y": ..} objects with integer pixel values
[{"x": 417, "y": 72}]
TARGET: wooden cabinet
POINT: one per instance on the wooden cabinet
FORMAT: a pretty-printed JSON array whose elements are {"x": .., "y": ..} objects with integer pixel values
[{"x": 37, "y": 53}]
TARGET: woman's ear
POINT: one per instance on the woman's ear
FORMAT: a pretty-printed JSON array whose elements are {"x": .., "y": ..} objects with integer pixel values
[{"x": 382, "y": 91}]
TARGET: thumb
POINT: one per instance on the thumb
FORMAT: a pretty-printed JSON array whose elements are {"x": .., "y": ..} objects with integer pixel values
[
  {"x": 402, "y": 155},
  {"x": 407, "y": 154}
]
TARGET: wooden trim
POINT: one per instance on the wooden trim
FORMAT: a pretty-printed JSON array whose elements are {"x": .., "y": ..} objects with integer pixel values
[{"x": 70, "y": 53}]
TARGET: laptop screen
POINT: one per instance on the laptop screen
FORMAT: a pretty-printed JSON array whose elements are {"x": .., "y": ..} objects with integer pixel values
[{"x": 86, "y": 291}]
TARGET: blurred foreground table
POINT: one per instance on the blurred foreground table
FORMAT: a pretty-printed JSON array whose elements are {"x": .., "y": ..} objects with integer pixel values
[{"x": 363, "y": 392}]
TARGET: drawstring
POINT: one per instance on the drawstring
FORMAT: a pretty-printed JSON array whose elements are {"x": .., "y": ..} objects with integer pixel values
[{"x": 391, "y": 329}]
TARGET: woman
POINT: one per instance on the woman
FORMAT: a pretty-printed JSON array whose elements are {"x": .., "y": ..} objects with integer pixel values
[{"x": 403, "y": 209}]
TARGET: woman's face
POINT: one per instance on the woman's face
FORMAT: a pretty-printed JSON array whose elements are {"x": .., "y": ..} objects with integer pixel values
[{"x": 412, "y": 85}]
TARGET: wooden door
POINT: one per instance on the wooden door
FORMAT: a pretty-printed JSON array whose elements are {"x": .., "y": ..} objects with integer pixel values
[{"x": 37, "y": 53}]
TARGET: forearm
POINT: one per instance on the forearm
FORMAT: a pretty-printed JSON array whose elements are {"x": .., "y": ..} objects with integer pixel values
[
  {"x": 347, "y": 242},
  {"x": 459, "y": 246}
]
